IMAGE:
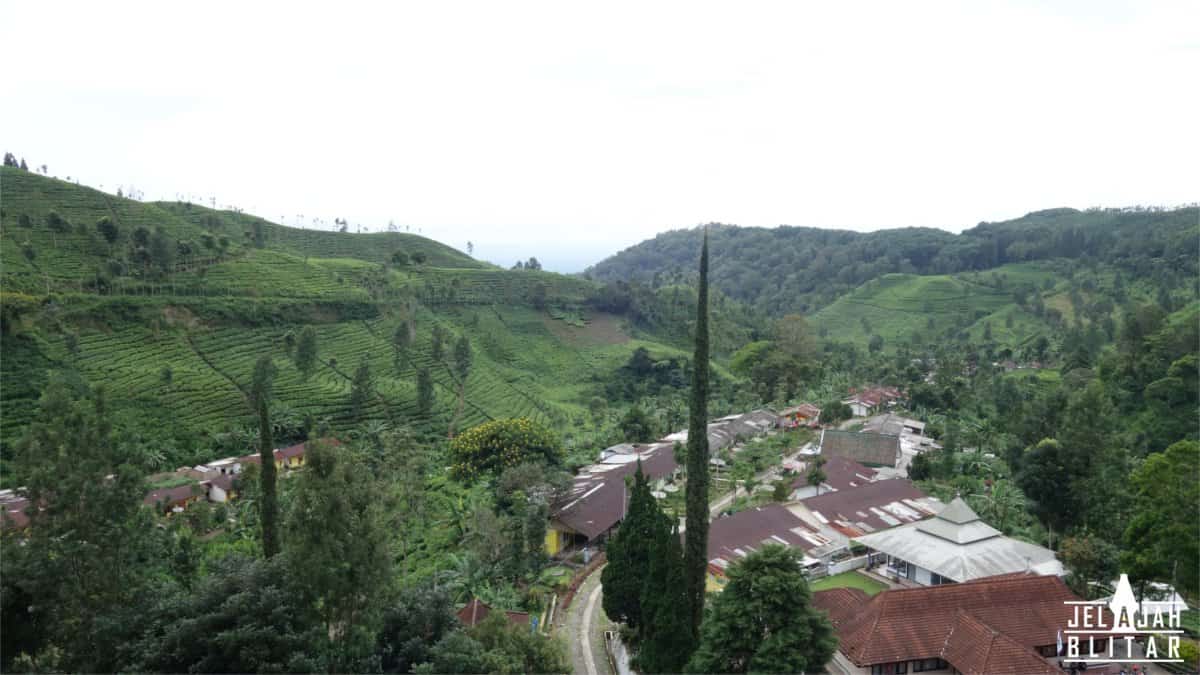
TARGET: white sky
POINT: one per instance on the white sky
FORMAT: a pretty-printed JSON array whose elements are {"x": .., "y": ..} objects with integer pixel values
[{"x": 570, "y": 130}]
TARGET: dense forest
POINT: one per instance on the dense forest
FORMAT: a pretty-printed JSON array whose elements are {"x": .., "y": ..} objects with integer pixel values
[{"x": 802, "y": 269}]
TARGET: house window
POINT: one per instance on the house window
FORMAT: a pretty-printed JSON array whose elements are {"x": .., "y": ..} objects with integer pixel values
[
  {"x": 889, "y": 668},
  {"x": 928, "y": 664}
]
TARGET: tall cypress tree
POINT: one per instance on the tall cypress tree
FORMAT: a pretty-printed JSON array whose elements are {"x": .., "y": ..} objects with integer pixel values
[
  {"x": 666, "y": 635},
  {"x": 268, "y": 501},
  {"x": 696, "y": 536},
  {"x": 629, "y": 554}
]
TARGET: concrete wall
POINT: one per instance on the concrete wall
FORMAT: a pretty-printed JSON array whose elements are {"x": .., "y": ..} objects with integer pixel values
[{"x": 847, "y": 565}]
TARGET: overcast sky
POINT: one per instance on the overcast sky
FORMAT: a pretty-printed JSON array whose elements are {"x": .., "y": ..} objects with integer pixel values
[{"x": 572, "y": 130}]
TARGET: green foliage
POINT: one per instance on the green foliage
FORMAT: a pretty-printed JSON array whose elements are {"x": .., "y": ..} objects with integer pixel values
[
  {"x": 425, "y": 393},
  {"x": 834, "y": 412},
  {"x": 268, "y": 495},
  {"x": 248, "y": 616},
  {"x": 306, "y": 351},
  {"x": 824, "y": 264},
  {"x": 764, "y": 620},
  {"x": 493, "y": 446},
  {"x": 462, "y": 357},
  {"x": 696, "y": 535},
  {"x": 494, "y": 646},
  {"x": 667, "y": 640},
  {"x": 108, "y": 229},
  {"x": 419, "y": 619},
  {"x": 80, "y": 574},
  {"x": 362, "y": 387},
  {"x": 335, "y": 525},
  {"x": 637, "y": 426},
  {"x": 1160, "y": 535},
  {"x": 1089, "y": 560},
  {"x": 629, "y": 554}
]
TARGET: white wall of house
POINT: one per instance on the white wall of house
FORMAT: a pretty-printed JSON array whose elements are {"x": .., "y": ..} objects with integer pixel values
[{"x": 921, "y": 575}]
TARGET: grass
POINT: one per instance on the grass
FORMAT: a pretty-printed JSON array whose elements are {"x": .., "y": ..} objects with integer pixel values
[{"x": 850, "y": 579}]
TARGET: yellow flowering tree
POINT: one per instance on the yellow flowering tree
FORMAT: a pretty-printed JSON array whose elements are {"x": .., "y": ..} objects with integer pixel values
[{"x": 494, "y": 446}]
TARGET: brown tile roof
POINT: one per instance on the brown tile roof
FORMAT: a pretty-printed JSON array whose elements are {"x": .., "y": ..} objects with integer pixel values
[
  {"x": 841, "y": 473},
  {"x": 597, "y": 496},
  {"x": 477, "y": 610},
  {"x": 296, "y": 450},
  {"x": 733, "y": 537},
  {"x": 920, "y": 623},
  {"x": 872, "y": 507},
  {"x": 805, "y": 410},
  {"x": 868, "y": 448},
  {"x": 975, "y": 648},
  {"x": 223, "y": 481},
  {"x": 13, "y": 514},
  {"x": 169, "y": 497}
]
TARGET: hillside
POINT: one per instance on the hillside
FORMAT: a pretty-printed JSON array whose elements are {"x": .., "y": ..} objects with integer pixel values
[
  {"x": 797, "y": 269},
  {"x": 171, "y": 313}
]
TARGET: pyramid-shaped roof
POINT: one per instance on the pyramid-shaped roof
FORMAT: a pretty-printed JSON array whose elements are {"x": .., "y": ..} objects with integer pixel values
[
  {"x": 958, "y": 512},
  {"x": 957, "y": 523}
]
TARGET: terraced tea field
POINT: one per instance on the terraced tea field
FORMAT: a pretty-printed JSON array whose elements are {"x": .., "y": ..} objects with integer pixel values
[{"x": 897, "y": 305}]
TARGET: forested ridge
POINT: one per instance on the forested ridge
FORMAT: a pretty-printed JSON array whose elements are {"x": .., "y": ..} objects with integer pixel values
[{"x": 802, "y": 269}]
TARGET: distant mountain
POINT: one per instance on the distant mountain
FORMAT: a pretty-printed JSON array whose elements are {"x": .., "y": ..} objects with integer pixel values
[{"x": 803, "y": 269}]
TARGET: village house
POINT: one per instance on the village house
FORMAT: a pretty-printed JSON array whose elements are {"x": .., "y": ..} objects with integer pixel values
[
  {"x": 841, "y": 473},
  {"x": 597, "y": 498},
  {"x": 876, "y": 450},
  {"x": 12, "y": 510},
  {"x": 821, "y": 527},
  {"x": 954, "y": 546},
  {"x": 1002, "y": 624},
  {"x": 173, "y": 499},
  {"x": 803, "y": 415},
  {"x": 872, "y": 507},
  {"x": 731, "y": 538},
  {"x": 870, "y": 400}
]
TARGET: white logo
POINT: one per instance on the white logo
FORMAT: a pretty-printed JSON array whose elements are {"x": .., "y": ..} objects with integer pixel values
[{"x": 1135, "y": 633}]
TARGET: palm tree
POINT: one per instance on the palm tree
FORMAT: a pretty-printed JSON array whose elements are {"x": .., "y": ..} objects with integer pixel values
[{"x": 1001, "y": 506}]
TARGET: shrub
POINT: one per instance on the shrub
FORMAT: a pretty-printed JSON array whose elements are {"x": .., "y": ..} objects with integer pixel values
[{"x": 500, "y": 444}]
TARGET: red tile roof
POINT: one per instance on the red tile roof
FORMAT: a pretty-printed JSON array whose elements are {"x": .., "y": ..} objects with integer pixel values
[
  {"x": 975, "y": 648},
  {"x": 999, "y": 622}
]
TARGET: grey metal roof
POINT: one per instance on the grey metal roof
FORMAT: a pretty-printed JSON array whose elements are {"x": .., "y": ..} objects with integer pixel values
[{"x": 958, "y": 545}]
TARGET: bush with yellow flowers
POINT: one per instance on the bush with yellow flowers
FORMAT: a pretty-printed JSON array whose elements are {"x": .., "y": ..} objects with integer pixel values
[{"x": 494, "y": 446}]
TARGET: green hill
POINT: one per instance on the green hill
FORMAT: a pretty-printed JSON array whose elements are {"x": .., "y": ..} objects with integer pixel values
[
  {"x": 800, "y": 269},
  {"x": 172, "y": 313}
]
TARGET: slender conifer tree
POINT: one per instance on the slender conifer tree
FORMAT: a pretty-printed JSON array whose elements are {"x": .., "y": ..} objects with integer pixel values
[
  {"x": 268, "y": 500},
  {"x": 696, "y": 535}
]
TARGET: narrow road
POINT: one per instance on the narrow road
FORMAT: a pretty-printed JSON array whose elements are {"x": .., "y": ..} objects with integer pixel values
[
  {"x": 589, "y": 658},
  {"x": 763, "y": 478},
  {"x": 583, "y": 628}
]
